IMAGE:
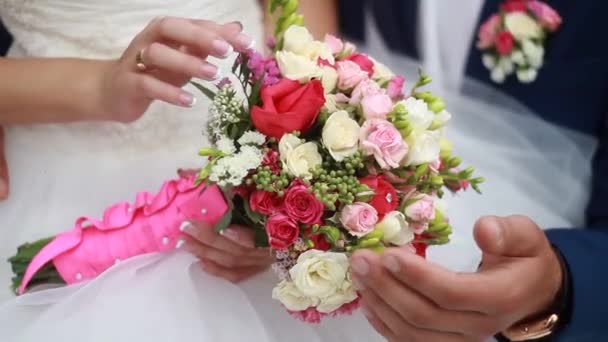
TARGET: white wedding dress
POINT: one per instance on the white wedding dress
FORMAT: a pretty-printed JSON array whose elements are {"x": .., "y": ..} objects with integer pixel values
[{"x": 60, "y": 172}]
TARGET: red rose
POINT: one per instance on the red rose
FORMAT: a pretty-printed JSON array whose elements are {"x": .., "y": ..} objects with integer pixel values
[
  {"x": 504, "y": 43},
  {"x": 282, "y": 231},
  {"x": 385, "y": 196},
  {"x": 363, "y": 62},
  {"x": 320, "y": 242},
  {"x": 303, "y": 206},
  {"x": 265, "y": 202},
  {"x": 515, "y": 6},
  {"x": 288, "y": 106},
  {"x": 420, "y": 248}
]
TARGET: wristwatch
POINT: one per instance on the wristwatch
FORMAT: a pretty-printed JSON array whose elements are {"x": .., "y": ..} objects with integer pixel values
[{"x": 544, "y": 327}]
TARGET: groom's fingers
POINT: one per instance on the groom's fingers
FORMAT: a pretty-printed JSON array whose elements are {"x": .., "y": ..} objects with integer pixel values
[{"x": 4, "y": 180}]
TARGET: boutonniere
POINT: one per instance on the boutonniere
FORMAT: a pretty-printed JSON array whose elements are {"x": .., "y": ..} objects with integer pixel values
[{"x": 513, "y": 40}]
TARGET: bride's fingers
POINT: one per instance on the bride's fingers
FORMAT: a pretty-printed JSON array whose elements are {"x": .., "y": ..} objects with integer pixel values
[
  {"x": 207, "y": 236},
  {"x": 223, "y": 258},
  {"x": 156, "y": 89},
  {"x": 233, "y": 275},
  {"x": 163, "y": 57}
]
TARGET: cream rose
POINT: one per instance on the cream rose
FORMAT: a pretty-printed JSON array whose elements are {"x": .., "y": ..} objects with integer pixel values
[
  {"x": 287, "y": 144},
  {"x": 329, "y": 79},
  {"x": 296, "y": 67},
  {"x": 292, "y": 298},
  {"x": 341, "y": 135},
  {"x": 522, "y": 26},
  {"x": 298, "y": 157},
  {"x": 320, "y": 274},
  {"x": 297, "y": 39},
  {"x": 395, "y": 229},
  {"x": 424, "y": 147},
  {"x": 343, "y": 296}
]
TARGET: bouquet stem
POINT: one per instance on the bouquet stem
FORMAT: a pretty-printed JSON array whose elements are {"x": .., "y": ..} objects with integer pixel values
[{"x": 20, "y": 261}]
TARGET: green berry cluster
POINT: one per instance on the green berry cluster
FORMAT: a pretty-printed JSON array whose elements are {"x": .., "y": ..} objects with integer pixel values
[
  {"x": 265, "y": 179},
  {"x": 337, "y": 181}
]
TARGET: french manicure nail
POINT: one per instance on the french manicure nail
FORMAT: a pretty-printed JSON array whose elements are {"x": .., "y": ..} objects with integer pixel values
[
  {"x": 391, "y": 263},
  {"x": 238, "y": 23},
  {"x": 186, "y": 227},
  {"x": 229, "y": 234},
  {"x": 244, "y": 41},
  {"x": 180, "y": 243},
  {"x": 221, "y": 48},
  {"x": 358, "y": 285},
  {"x": 360, "y": 266},
  {"x": 210, "y": 72},
  {"x": 187, "y": 99}
]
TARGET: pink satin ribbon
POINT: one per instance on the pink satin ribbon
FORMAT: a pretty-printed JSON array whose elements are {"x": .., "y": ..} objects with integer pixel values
[{"x": 151, "y": 224}]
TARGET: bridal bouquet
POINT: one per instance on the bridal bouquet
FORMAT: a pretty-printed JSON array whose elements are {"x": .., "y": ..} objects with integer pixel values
[
  {"x": 317, "y": 148},
  {"x": 325, "y": 155}
]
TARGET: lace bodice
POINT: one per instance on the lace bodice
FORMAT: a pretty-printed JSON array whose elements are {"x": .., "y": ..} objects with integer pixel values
[{"x": 103, "y": 29}]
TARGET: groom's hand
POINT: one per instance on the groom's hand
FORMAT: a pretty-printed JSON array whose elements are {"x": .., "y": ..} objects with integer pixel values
[
  {"x": 409, "y": 299},
  {"x": 231, "y": 255}
]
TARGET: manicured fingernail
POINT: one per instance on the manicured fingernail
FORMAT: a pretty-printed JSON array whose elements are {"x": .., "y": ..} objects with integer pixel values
[
  {"x": 244, "y": 42},
  {"x": 184, "y": 225},
  {"x": 3, "y": 189},
  {"x": 238, "y": 23},
  {"x": 358, "y": 285},
  {"x": 221, "y": 48},
  {"x": 391, "y": 263},
  {"x": 230, "y": 234},
  {"x": 187, "y": 99},
  {"x": 210, "y": 72},
  {"x": 180, "y": 243},
  {"x": 360, "y": 266}
]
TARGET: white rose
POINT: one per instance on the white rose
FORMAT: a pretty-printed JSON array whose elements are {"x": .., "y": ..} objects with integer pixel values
[
  {"x": 287, "y": 144},
  {"x": 343, "y": 296},
  {"x": 395, "y": 228},
  {"x": 296, "y": 67},
  {"x": 331, "y": 103},
  {"x": 381, "y": 71},
  {"x": 527, "y": 75},
  {"x": 498, "y": 75},
  {"x": 329, "y": 79},
  {"x": 522, "y": 26},
  {"x": 419, "y": 116},
  {"x": 297, "y": 39},
  {"x": 293, "y": 299},
  {"x": 302, "y": 159},
  {"x": 341, "y": 135},
  {"x": 424, "y": 147},
  {"x": 489, "y": 61},
  {"x": 319, "y": 274}
]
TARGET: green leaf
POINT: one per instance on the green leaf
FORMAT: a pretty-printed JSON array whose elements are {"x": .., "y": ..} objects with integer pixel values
[
  {"x": 227, "y": 218},
  {"x": 261, "y": 238},
  {"x": 256, "y": 217},
  {"x": 255, "y": 96},
  {"x": 206, "y": 91}
]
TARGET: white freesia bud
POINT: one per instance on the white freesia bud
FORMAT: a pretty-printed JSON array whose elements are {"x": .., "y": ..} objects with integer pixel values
[
  {"x": 329, "y": 79},
  {"x": 527, "y": 75},
  {"x": 498, "y": 75},
  {"x": 506, "y": 65},
  {"x": 341, "y": 135},
  {"x": 320, "y": 274},
  {"x": 518, "y": 57},
  {"x": 292, "y": 298},
  {"x": 395, "y": 229},
  {"x": 418, "y": 116},
  {"x": 489, "y": 61},
  {"x": 534, "y": 53}
]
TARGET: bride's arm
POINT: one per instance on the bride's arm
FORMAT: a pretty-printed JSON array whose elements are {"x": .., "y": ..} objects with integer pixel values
[
  {"x": 321, "y": 17},
  {"x": 50, "y": 90}
]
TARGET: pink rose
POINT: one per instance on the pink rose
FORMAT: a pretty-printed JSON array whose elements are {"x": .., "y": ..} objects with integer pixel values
[
  {"x": 549, "y": 18},
  {"x": 382, "y": 140},
  {"x": 282, "y": 231},
  {"x": 303, "y": 206},
  {"x": 421, "y": 212},
  {"x": 359, "y": 218},
  {"x": 395, "y": 87},
  {"x": 488, "y": 32},
  {"x": 350, "y": 75},
  {"x": 265, "y": 202},
  {"x": 363, "y": 62},
  {"x": 363, "y": 89},
  {"x": 376, "y": 106},
  {"x": 335, "y": 44}
]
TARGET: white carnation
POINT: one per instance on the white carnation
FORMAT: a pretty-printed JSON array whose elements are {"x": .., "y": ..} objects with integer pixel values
[
  {"x": 489, "y": 61},
  {"x": 527, "y": 75},
  {"x": 252, "y": 138},
  {"x": 498, "y": 75}
]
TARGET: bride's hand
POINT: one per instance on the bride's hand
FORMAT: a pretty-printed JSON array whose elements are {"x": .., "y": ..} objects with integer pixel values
[
  {"x": 173, "y": 50},
  {"x": 231, "y": 255}
]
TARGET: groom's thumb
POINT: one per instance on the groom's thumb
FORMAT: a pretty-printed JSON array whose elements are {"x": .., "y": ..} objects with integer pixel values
[{"x": 512, "y": 236}]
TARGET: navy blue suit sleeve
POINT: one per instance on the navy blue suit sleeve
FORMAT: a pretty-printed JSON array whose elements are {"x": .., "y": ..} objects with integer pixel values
[{"x": 586, "y": 254}]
